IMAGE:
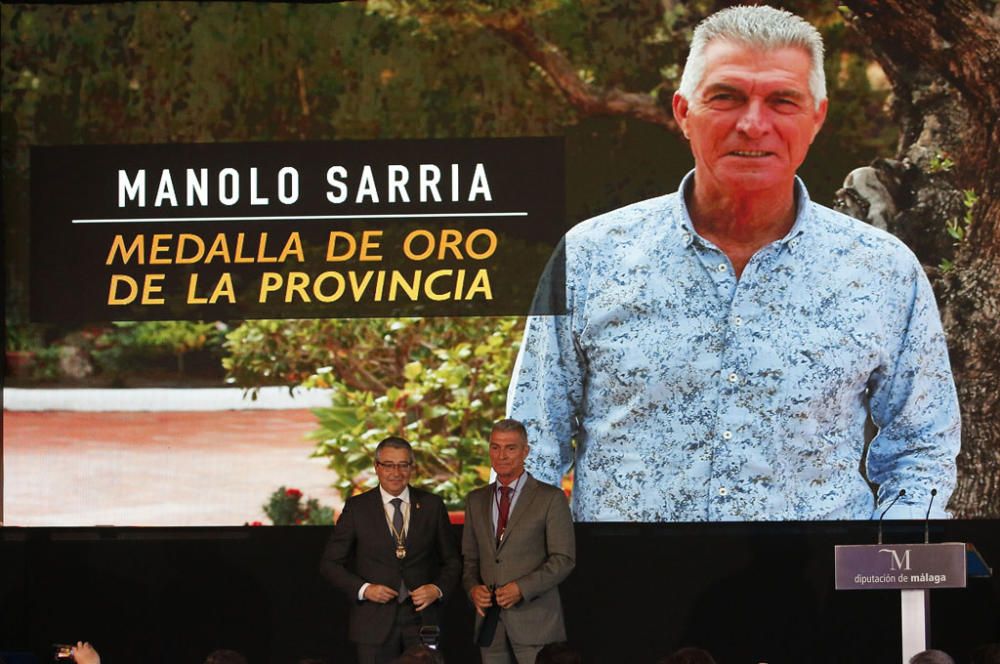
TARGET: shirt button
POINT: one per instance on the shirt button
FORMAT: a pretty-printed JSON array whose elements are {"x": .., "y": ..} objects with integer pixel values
[
  {"x": 794, "y": 242},
  {"x": 722, "y": 267},
  {"x": 737, "y": 321},
  {"x": 733, "y": 378},
  {"x": 727, "y": 434},
  {"x": 723, "y": 491}
]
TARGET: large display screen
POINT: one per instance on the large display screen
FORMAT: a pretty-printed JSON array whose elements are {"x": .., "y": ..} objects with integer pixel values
[{"x": 247, "y": 241}]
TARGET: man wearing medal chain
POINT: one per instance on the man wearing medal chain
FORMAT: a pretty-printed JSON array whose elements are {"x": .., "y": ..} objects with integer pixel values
[
  {"x": 404, "y": 558},
  {"x": 518, "y": 545}
]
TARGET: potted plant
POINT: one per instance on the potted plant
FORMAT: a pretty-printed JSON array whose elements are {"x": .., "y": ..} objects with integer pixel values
[{"x": 22, "y": 341}]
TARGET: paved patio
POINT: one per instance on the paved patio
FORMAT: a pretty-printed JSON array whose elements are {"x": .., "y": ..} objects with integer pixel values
[{"x": 78, "y": 468}]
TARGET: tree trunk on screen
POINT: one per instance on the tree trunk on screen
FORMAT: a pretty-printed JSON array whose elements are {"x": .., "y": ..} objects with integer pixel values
[{"x": 943, "y": 60}]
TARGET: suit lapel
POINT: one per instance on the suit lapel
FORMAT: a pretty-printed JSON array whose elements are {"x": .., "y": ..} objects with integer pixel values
[
  {"x": 418, "y": 513},
  {"x": 377, "y": 515},
  {"x": 521, "y": 506},
  {"x": 486, "y": 513}
]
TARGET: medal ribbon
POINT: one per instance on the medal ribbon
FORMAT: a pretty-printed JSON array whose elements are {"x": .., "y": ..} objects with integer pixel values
[
  {"x": 398, "y": 529},
  {"x": 397, "y": 525}
]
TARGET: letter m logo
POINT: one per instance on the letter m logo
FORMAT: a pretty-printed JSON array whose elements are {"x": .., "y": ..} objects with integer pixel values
[{"x": 900, "y": 562}]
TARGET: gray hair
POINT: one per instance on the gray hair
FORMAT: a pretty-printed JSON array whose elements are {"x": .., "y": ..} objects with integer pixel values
[
  {"x": 510, "y": 424},
  {"x": 396, "y": 443},
  {"x": 760, "y": 27}
]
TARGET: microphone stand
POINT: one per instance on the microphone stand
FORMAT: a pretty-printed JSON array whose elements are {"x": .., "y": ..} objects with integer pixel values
[
  {"x": 927, "y": 519},
  {"x": 902, "y": 492}
]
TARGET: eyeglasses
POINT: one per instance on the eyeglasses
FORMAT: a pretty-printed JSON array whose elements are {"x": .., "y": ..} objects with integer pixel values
[{"x": 403, "y": 467}]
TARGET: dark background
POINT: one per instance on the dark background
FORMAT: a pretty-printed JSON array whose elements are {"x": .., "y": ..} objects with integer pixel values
[{"x": 761, "y": 592}]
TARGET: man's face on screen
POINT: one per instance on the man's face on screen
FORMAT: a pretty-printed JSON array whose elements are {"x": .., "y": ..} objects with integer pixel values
[{"x": 752, "y": 117}]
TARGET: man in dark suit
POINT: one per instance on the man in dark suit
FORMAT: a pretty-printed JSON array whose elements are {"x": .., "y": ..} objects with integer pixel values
[
  {"x": 518, "y": 545},
  {"x": 404, "y": 558}
]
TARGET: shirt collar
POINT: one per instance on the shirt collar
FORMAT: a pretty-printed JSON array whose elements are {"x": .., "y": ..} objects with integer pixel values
[
  {"x": 688, "y": 234},
  {"x": 517, "y": 483},
  {"x": 387, "y": 497}
]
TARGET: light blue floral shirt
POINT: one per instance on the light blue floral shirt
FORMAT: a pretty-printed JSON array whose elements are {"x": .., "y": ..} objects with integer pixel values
[{"x": 694, "y": 396}]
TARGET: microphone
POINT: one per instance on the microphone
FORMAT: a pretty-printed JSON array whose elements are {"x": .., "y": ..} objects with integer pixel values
[
  {"x": 902, "y": 492},
  {"x": 927, "y": 518}
]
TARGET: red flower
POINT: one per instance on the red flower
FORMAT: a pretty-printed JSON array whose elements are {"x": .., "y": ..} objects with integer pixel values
[
  {"x": 256, "y": 523},
  {"x": 293, "y": 493}
]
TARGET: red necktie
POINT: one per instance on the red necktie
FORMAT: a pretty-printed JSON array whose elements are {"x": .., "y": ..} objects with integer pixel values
[{"x": 504, "y": 511}]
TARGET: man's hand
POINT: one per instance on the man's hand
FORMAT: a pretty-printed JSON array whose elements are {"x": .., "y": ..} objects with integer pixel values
[
  {"x": 84, "y": 653},
  {"x": 509, "y": 595},
  {"x": 482, "y": 599},
  {"x": 380, "y": 594},
  {"x": 424, "y": 596}
]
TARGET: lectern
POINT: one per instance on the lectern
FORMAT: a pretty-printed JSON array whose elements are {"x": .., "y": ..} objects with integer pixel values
[{"x": 914, "y": 570}]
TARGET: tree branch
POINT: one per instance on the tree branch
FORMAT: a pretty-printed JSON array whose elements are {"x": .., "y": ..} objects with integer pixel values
[
  {"x": 585, "y": 97},
  {"x": 954, "y": 38}
]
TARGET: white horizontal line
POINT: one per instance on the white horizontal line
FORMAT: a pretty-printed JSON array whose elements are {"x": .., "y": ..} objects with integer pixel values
[
  {"x": 161, "y": 399},
  {"x": 314, "y": 217}
]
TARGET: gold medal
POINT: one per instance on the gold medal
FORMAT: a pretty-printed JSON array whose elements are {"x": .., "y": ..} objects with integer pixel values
[{"x": 400, "y": 551}]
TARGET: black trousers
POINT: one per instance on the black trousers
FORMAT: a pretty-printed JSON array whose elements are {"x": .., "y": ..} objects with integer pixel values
[{"x": 405, "y": 632}]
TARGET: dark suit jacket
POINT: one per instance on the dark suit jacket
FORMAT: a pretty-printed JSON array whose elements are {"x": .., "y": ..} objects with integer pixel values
[
  {"x": 538, "y": 552},
  {"x": 362, "y": 550}
]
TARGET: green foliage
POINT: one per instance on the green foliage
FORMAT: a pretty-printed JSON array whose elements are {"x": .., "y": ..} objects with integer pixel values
[
  {"x": 363, "y": 354},
  {"x": 955, "y": 229},
  {"x": 23, "y": 337},
  {"x": 272, "y": 352},
  {"x": 46, "y": 364},
  {"x": 125, "y": 343},
  {"x": 39, "y": 360},
  {"x": 959, "y": 229},
  {"x": 285, "y": 508},
  {"x": 438, "y": 382},
  {"x": 170, "y": 336},
  {"x": 178, "y": 72},
  {"x": 969, "y": 200},
  {"x": 940, "y": 163},
  {"x": 443, "y": 398}
]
